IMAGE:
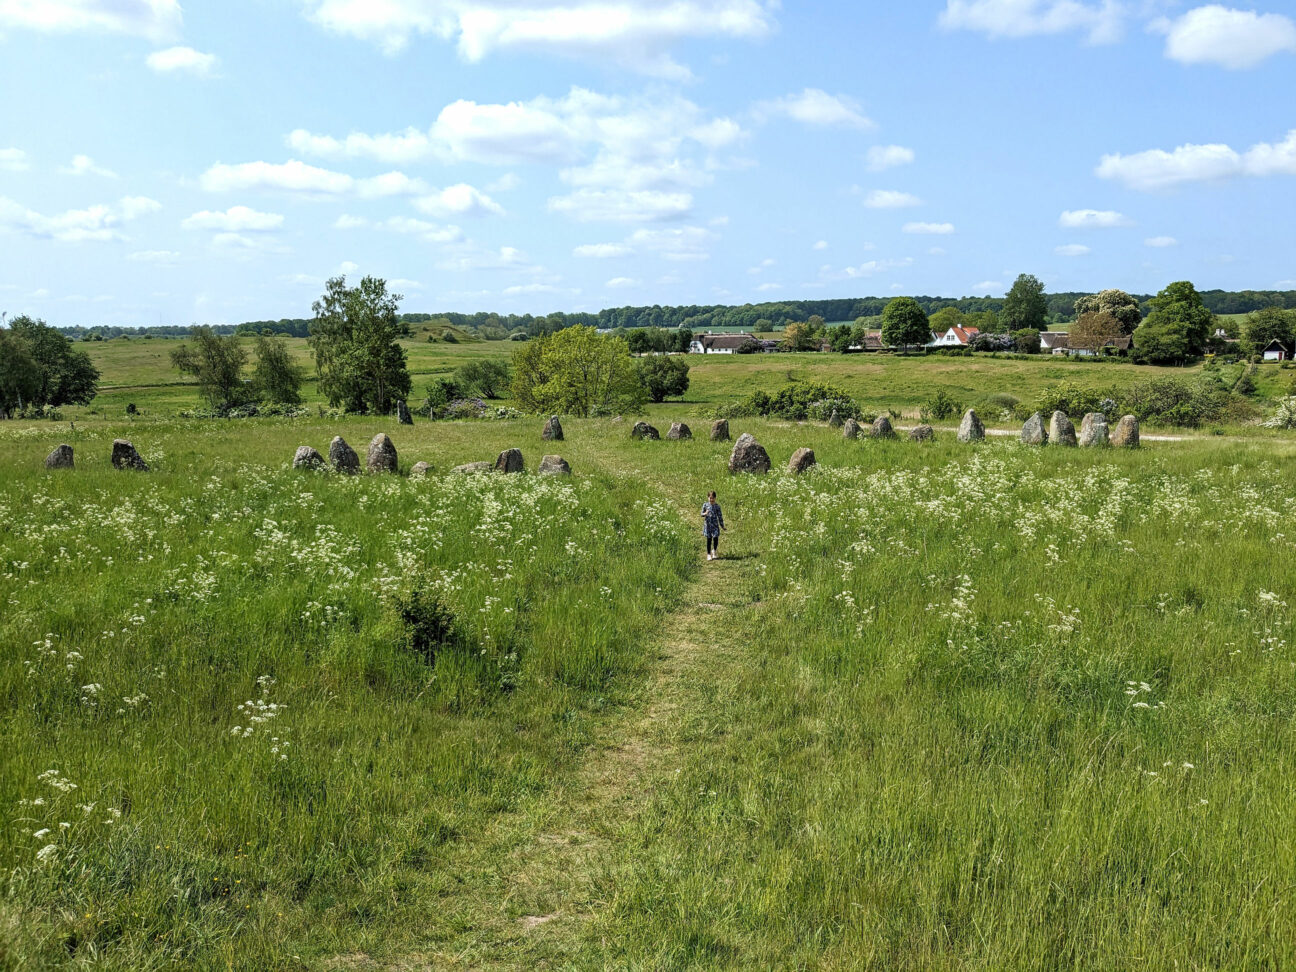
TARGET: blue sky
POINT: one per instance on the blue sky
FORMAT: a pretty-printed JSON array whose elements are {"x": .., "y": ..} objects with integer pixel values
[{"x": 217, "y": 161}]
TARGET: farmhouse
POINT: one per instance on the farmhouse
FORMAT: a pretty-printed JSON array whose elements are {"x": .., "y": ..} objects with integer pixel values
[
  {"x": 719, "y": 343},
  {"x": 1115, "y": 345},
  {"x": 1054, "y": 342},
  {"x": 1275, "y": 350},
  {"x": 955, "y": 337}
]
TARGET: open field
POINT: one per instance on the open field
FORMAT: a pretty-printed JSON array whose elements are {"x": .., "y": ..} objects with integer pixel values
[{"x": 939, "y": 707}]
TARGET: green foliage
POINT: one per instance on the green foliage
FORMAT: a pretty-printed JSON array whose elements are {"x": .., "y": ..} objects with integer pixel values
[
  {"x": 277, "y": 378},
  {"x": 1175, "y": 401},
  {"x": 905, "y": 324},
  {"x": 427, "y": 621},
  {"x": 940, "y": 406},
  {"x": 795, "y": 402},
  {"x": 663, "y": 376},
  {"x": 440, "y": 393},
  {"x": 1027, "y": 340},
  {"x": 1176, "y": 329},
  {"x": 39, "y": 367},
  {"x": 487, "y": 378},
  {"x": 801, "y": 336},
  {"x": 577, "y": 371},
  {"x": 354, "y": 334},
  {"x": 947, "y": 317},
  {"x": 1122, "y": 307},
  {"x": 1284, "y": 416},
  {"x": 1025, "y": 305},
  {"x": 1270, "y": 324},
  {"x": 1071, "y": 399},
  {"x": 217, "y": 362}
]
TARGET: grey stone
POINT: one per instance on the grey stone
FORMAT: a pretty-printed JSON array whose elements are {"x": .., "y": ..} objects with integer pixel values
[
  {"x": 307, "y": 458},
  {"x": 552, "y": 431},
  {"x": 60, "y": 458},
  {"x": 971, "y": 429},
  {"x": 720, "y": 430},
  {"x": 748, "y": 456},
  {"x": 679, "y": 430},
  {"x": 882, "y": 428},
  {"x": 922, "y": 433},
  {"x": 1033, "y": 432},
  {"x": 403, "y": 415},
  {"x": 850, "y": 429},
  {"x": 342, "y": 457},
  {"x": 554, "y": 466},
  {"x": 642, "y": 430},
  {"x": 509, "y": 461},
  {"x": 1061, "y": 431},
  {"x": 1094, "y": 431},
  {"x": 420, "y": 469},
  {"x": 381, "y": 457},
  {"x": 124, "y": 456},
  {"x": 473, "y": 468},
  {"x": 835, "y": 419},
  {"x": 1126, "y": 433},
  {"x": 801, "y": 460}
]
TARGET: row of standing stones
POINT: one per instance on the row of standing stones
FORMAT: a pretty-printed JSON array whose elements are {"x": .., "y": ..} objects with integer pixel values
[
  {"x": 381, "y": 457},
  {"x": 124, "y": 456}
]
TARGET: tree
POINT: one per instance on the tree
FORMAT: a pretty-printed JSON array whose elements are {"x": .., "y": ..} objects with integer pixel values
[
  {"x": 485, "y": 379},
  {"x": 353, "y": 335},
  {"x": 905, "y": 323},
  {"x": 1093, "y": 330},
  {"x": 577, "y": 371},
  {"x": 947, "y": 317},
  {"x": 1027, "y": 340},
  {"x": 54, "y": 372},
  {"x": 1177, "y": 328},
  {"x": 1025, "y": 305},
  {"x": 799, "y": 336},
  {"x": 217, "y": 362},
  {"x": 1123, "y": 308},
  {"x": 278, "y": 378},
  {"x": 19, "y": 375},
  {"x": 841, "y": 338},
  {"x": 1263, "y": 326},
  {"x": 664, "y": 377}
]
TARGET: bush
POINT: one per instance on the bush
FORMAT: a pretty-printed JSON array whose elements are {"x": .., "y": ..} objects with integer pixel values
[
  {"x": 940, "y": 406},
  {"x": 1070, "y": 399},
  {"x": 440, "y": 393},
  {"x": 484, "y": 379},
  {"x": 795, "y": 402},
  {"x": 428, "y": 623},
  {"x": 1176, "y": 401},
  {"x": 1284, "y": 416}
]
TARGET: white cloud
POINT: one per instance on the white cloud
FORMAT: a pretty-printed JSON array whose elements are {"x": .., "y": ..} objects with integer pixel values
[
  {"x": 890, "y": 199},
  {"x": 936, "y": 251},
  {"x": 602, "y": 251},
  {"x": 1229, "y": 38},
  {"x": 816, "y": 107},
  {"x": 1071, "y": 250},
  {"x": 536, "y": 288},
  {"x": 84, "y": 165},
  {"x": 161, "y": 258},
  {"x": 505, "y": 183},
  {"x": 348, "y": 222},
  {"x": 402, "y": 283},
  {"x": 762, "y": 266},
  {"x": 888, "y": 157},
  {"x": 458, "y": 200},
  {"x": 389, "y": 184},
  {"x": 240, "y": 245},
  {"x": 937, "y": 229},
  {"x": 867, "y": 269},
  {"x": 1093, "y": 219},
  {"x": 617, "y": 282},
  {"x": 395, "y": 149},
  {"x": 97, "y": 224},
  {"x": 821, "y": 245},
  {"x": 1159, "y": 169},
  {"x": 1101, "y": 20},
  {"x": 236, "y": 219},
  {"x": 295, "y": 176},
  {"x": 765, "y": 287},
  {"x": 470, "y": 256},
  {"x": 346, "y": 266},
  {"x": 13, "y": 160},
  {"x": 428, "y": 232},
  {"x": 684, "y": 243},
  {"x": 148, "y": 18},
  {"x": 185, "y": 59},
  {"x": 987, "y": 287},
  {"x": 620, "y": 206},
  {"x": 635, "y": 34},
  {"x": 1160, "y": 241}
]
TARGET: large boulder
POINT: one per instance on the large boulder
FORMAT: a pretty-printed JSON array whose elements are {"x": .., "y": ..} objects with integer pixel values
[
  {"x": 801, "y": 460},
  {"x": 1093, "y": 430},
  {"x": 882, "y": 428},
  {"x": 60, "y": 458},
  {"x": 403, "y": 415},
  {"x": 922, "y": 433},
  {"x": 642, "y": 430},
  {"x": 473, "y": 468},
  {"x": 420, "y": 470},
  {"x": 1126, "y": 433},
  {"x": 835, "y": 419},
  {"x": 342, "y": 457},
  {"x": 1061, "y": 431},
  {"x": 554, "y": 466},
  {"x": 381, "y": 457},
  {"x": 509, "y": 461},
  {"x": 307, "y": 458},
  {"x": 1033, "y": 432},
  {"x": 552, "y": 431},
  {"x": 124, "y": 456},
  {"x": 720, "y": 430},
  {"x": 748, "y": 456},
  {"x": 850, "y": 429},
  {"x": 971, "y": 429},
  {"x": 679, "y": 430}
]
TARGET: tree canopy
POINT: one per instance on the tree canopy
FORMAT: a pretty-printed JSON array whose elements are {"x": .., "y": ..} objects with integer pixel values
[
  {"x": 1264, "y": 326},
  {"x": 39, "y": 367},
  {"x": 1177, "y": 328},
  {"x": 664, "y": 377},
  {"x": 577, "y": 371},
  {"x": 354, "y": 335},
  {"x": 217, "y": 362},
  {"x": 1025, "y": 305},
  {"x": 904, "y": 323},
  {"x": 1122, "y": 307}
]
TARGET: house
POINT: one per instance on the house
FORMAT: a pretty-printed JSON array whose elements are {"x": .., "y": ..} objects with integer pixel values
[
  {"x": 1054, "y": 342},
  {"x": 873, "y": 341},
  {"x": 718, "y": 343},
  {"x": 955, "y": 337},
  {"x": 1275, "y": 350},
  {"x": 1116, "y": 345}
]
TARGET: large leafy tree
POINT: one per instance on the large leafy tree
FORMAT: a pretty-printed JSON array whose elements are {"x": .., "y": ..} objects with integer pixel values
[
  {"x": 1122, "y": 307},
  {"x": 1024, "y": 305},
  {"x": 904, "y": 323},
  {"x": 577, "y": 371},
  {"x": 1177, "y": 328},
  {"x": 354, "y": 336},
  {"x": 664, "y": 377},
  {"x": 1094, "y": 329},
  {"x": 278, "y": 378},
  {"x": 217, "y": 362},
  {"x": 39, "y": 366},
  {"x": 19, "y": 376},
  {"x": 947, "y": 317},
  {"x": 1263, "y": 326}
]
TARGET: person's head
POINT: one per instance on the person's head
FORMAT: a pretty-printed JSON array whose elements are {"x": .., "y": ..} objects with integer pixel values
[{"x": 711, "y": 496}]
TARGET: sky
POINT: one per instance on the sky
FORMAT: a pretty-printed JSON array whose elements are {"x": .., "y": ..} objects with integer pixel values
[{"x": 216, "y": 162}]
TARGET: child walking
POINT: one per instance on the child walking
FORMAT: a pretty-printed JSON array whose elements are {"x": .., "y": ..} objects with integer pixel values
[{"x": 712, "y": 523}]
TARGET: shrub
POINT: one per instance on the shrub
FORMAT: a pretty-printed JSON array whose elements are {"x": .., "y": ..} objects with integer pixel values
[
  {"x": 428, "y": 623},
  {"x": 795, "y": 402},
  {"x": 1284, "y": 416},
  {"x": 940, "y": 406},
  {"x": 1176, "y": 401},
  {"x": 1070, "y": 399},
  {"x": 440, "y": 393}
]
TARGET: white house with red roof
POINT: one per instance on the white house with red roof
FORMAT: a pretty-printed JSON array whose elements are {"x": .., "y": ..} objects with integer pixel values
[{"x": 955, "y": 337}]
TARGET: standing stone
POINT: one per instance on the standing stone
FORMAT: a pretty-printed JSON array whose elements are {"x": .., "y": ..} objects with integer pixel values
[
  {"x": 801, "y": 460},
  {"x": 835, "y": 420},
  {"x": 60, "y": 458},
  {"x": 473, "y": 468},
  {"x": 342, "y": 457},
  {"x": 382, "y": 455},
  {"x": 420, "y": 469},
  {"x": 642, "y": 430},
  {"x": 1033, "y": 432},
  {"x": 1093, "y": 430},
  {"x": 509, "y": 461},
  {"x": 552, "y": 431},
  {"x": 307, "y": 458},
  {"x": 403, "y": 415},
  {"x": 971, "y": 429},
  {"x": 554, "y": 466},
  {"x": 748, "y": 456},
  {"x": 882, "y": 428},
  {"x": 1126, "y": 433},
  {"x": 720, "y": 430},
  {"x": 679, "y": 430},
  {"x": 850, "y": 429},
  {"x": 124, "y": 456},
  {"x": 922, "y": 433},
  {"x": 1061, "y": 431}
]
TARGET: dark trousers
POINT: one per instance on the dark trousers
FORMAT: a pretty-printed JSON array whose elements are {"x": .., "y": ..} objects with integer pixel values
[{"x": 713, "y": 544}]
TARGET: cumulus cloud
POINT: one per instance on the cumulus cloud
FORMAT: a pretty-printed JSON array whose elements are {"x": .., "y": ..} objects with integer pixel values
[
  {"x": 429, "y": 232},
  {"x": 95, "y": 224},
  {"x": 621, "y": 206},
  {"x": 1102, "y": 21},
  {"x": 1229, "y": 38},
  {"x": 987, "y": 287},
  {"x": 236, "y": 219},
  {"x": 890, "y": 199},
  {"x": 863, "y": 270},
  {"x": 156, "y": 19},
  {"x": 602, "y": 251},
  {"x": 298, "y": 177},
  {"x": 683, "y": 243},
  {"x": 1160, "y": 242},
  {"x": 1071, "y": 250},
  {"x": 1092, "y": 219},
  {"x": 931, "y": 229},
  {"x": 815, "y": 107},
  {"x": 617, "y": 282},
  {"x": 182, "y": 59},
  {"x": 469, "y": 256},
  {"x": 458, "y": 200},
  {"x": 1159, "y": 169},
  {"x": 13, "y": 160},
  {"x": 399, "y": 148},
  {"x": 84, "y": 165},
  {"x": 820, "y": 245},
  {"x": 882, "y": 157}
]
